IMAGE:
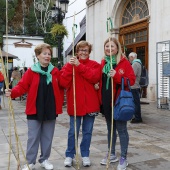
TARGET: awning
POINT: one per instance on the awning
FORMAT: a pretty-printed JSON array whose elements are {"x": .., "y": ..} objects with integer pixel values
[{"x": 5, "y": 54}]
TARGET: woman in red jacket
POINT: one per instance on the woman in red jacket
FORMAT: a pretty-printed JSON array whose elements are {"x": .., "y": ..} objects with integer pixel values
[
  {"x": 121, "y": 68},
  {"x": 87, "y": 73},
  {"x": 44, "y": 103}
]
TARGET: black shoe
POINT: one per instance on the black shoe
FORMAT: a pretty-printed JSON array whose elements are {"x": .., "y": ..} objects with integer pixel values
[{"x": 136, "y": 121}]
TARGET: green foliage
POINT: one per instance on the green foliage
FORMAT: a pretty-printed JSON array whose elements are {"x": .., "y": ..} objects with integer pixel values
[
  {"x": 31, "y": 25},
  {"x": 2, "y": 3},
  {"x": 1, "y": 39},
  {"x": 54, "y": 61},
  {"x": 11, "y": 12},
  {"x": 50, "y": 40},
  {"x": 15, "y": 19},
  {"x": 59, "y": 29}
]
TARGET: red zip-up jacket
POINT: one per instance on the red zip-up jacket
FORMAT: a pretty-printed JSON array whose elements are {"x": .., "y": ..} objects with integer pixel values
[
  {"x": 87, "y": 73},
  {"x": 29, "y": 84},
  {"x": 123, "y": 69}
]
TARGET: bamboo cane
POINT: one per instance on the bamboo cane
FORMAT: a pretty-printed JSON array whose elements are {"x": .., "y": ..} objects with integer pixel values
[
  {"x": 123, "y": 45},
  {"x": 9, "y": 100},
  {"x": 12, "y": 115},
  {"x": 74, "y": 95},
  {"x": 112, "y": 102},
  {"x": 3, "y": 95},
  {"x": 11, "y": 110}
]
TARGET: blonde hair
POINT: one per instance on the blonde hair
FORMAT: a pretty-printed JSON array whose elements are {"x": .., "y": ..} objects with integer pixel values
[
  {"x": 83, "y": 44},
  {"x": 119, "y": 53},
  {"x": 38, "y": 49}
]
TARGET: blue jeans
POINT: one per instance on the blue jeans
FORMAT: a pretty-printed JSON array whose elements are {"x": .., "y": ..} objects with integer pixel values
[
  {"x": 136, "y": 96},
  {"x": 1, "y": 85},
  {"x": 121, "y": 127},
  {"x": 87, "y": 129}
]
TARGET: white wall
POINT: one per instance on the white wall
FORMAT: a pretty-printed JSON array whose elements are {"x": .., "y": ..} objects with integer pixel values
[
  {"x": 73, "y": 8},
  {"x": 158, "y": 31},
  {"x": 24, "y": 54},
  {"x": 97, "y": 13}
]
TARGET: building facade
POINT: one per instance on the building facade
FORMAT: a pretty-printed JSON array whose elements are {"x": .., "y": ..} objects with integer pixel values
[
  {"x": 138, "y": 24},
  {"x": 23, "y": 48}
]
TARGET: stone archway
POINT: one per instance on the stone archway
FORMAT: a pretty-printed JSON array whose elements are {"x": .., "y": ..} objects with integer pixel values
[{"x": 131, "y": 27}]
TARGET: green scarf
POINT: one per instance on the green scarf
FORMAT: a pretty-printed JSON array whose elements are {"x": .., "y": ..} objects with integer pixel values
[
  {"x": 107, "y": 67},
  {"x": 37, "y": 68}
]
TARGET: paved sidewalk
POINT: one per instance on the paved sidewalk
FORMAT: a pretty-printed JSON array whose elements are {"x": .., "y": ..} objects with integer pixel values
[{"x": 149, "y": 145}]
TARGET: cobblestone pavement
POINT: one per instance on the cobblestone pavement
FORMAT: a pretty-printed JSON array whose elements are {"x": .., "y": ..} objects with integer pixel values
[{"x": 149, "y": 145}]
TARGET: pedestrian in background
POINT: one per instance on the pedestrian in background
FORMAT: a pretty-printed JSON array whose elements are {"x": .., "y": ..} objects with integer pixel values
[
  {"x": 44, "y": 103},
  {"x": 121, "y": 68},
  {"x": 1, "y": 85},
  {"x": 15, "y": 76},
  {"x": 87, "y": 74},
  {"x": 136, "y": 64}
]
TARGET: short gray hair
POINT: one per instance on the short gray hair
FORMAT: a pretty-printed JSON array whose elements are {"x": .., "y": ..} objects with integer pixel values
[{"x": 133, "y": 54}]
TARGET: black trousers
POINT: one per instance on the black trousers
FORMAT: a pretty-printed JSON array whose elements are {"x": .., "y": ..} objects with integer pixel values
[{"x": 136, "y": 96}]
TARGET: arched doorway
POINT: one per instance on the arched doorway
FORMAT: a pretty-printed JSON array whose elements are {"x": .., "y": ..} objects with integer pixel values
[{"x": 133, "y": 33}]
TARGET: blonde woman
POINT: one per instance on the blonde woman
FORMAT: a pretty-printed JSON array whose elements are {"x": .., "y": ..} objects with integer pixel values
[{"x": 121, "y": 68}]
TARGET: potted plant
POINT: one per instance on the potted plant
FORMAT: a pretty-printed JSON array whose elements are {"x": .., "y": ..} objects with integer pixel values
[{"x": 58, "y": 30}]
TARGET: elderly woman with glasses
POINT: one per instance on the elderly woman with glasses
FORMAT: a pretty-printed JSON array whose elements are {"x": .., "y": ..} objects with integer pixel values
[{"x": 87, "y": 74}]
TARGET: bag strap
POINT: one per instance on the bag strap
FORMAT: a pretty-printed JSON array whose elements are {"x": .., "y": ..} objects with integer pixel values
[
  {"x": 122, "y": 83},
  {"x": 128, "y": 82}
]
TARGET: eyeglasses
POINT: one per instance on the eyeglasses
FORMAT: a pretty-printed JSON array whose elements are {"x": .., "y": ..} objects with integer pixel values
[{"x": 85, "y": 51}]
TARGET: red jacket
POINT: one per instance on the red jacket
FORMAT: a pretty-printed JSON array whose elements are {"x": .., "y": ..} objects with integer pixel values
[
  {"x": 87, "y": 73},
  {"x": 29, "y": 84},
  {"x": 123, "y": 69}
]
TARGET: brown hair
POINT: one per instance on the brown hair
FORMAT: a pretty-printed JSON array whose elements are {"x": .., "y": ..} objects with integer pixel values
[
  {"x": 119, "y": 53},
  {"x": 83, "y": 44},
  {"x": 38, "y": 49}
]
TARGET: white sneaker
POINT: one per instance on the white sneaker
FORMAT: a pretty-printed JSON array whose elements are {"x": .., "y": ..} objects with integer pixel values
[
  {"x": 31, "y": 167},
  {"x": 86, "y": 161},
  {"x": 47, "y": 165},
  {"x": 113, "y": 159},
  {"x": 122, "y": 164},
  {"x": 68, "y": 161}
]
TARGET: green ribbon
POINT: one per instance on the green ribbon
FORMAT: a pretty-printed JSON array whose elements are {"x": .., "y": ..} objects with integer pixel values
[
  {"x": 125, "y": 48},
  {"x": 107, "y": 67},
  {"x": 74, "y": 29},
  {"x": 107, "y": 23}
]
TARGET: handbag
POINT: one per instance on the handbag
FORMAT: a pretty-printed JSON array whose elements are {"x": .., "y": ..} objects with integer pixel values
[{"x": 124, "y": 108}]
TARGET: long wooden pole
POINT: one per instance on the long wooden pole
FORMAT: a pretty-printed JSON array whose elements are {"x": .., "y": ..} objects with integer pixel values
[
  {"x": 112, "y": 102},
  {"x": 74, "y": 95},
  {"x": 11, "y": 110}
]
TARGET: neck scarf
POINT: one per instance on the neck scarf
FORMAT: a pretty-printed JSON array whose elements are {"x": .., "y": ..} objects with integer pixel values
[
  {"x": 37, "y": 68},
  {"x": 137, "y": 60},
  {"x": 107, "y": 67}
]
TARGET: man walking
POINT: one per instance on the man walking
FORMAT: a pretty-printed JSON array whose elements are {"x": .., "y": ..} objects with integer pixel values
[{"x": 136, "y": 64}]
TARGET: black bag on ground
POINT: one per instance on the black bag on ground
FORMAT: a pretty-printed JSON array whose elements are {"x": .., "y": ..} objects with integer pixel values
[{"x": 124, "y": 108}]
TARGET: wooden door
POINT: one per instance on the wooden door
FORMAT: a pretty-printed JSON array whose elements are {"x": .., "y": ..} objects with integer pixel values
[{"x": 141, "y": 49}]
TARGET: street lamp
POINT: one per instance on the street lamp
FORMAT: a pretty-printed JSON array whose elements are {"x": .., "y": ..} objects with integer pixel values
[{"x": 59, "y": 9}]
